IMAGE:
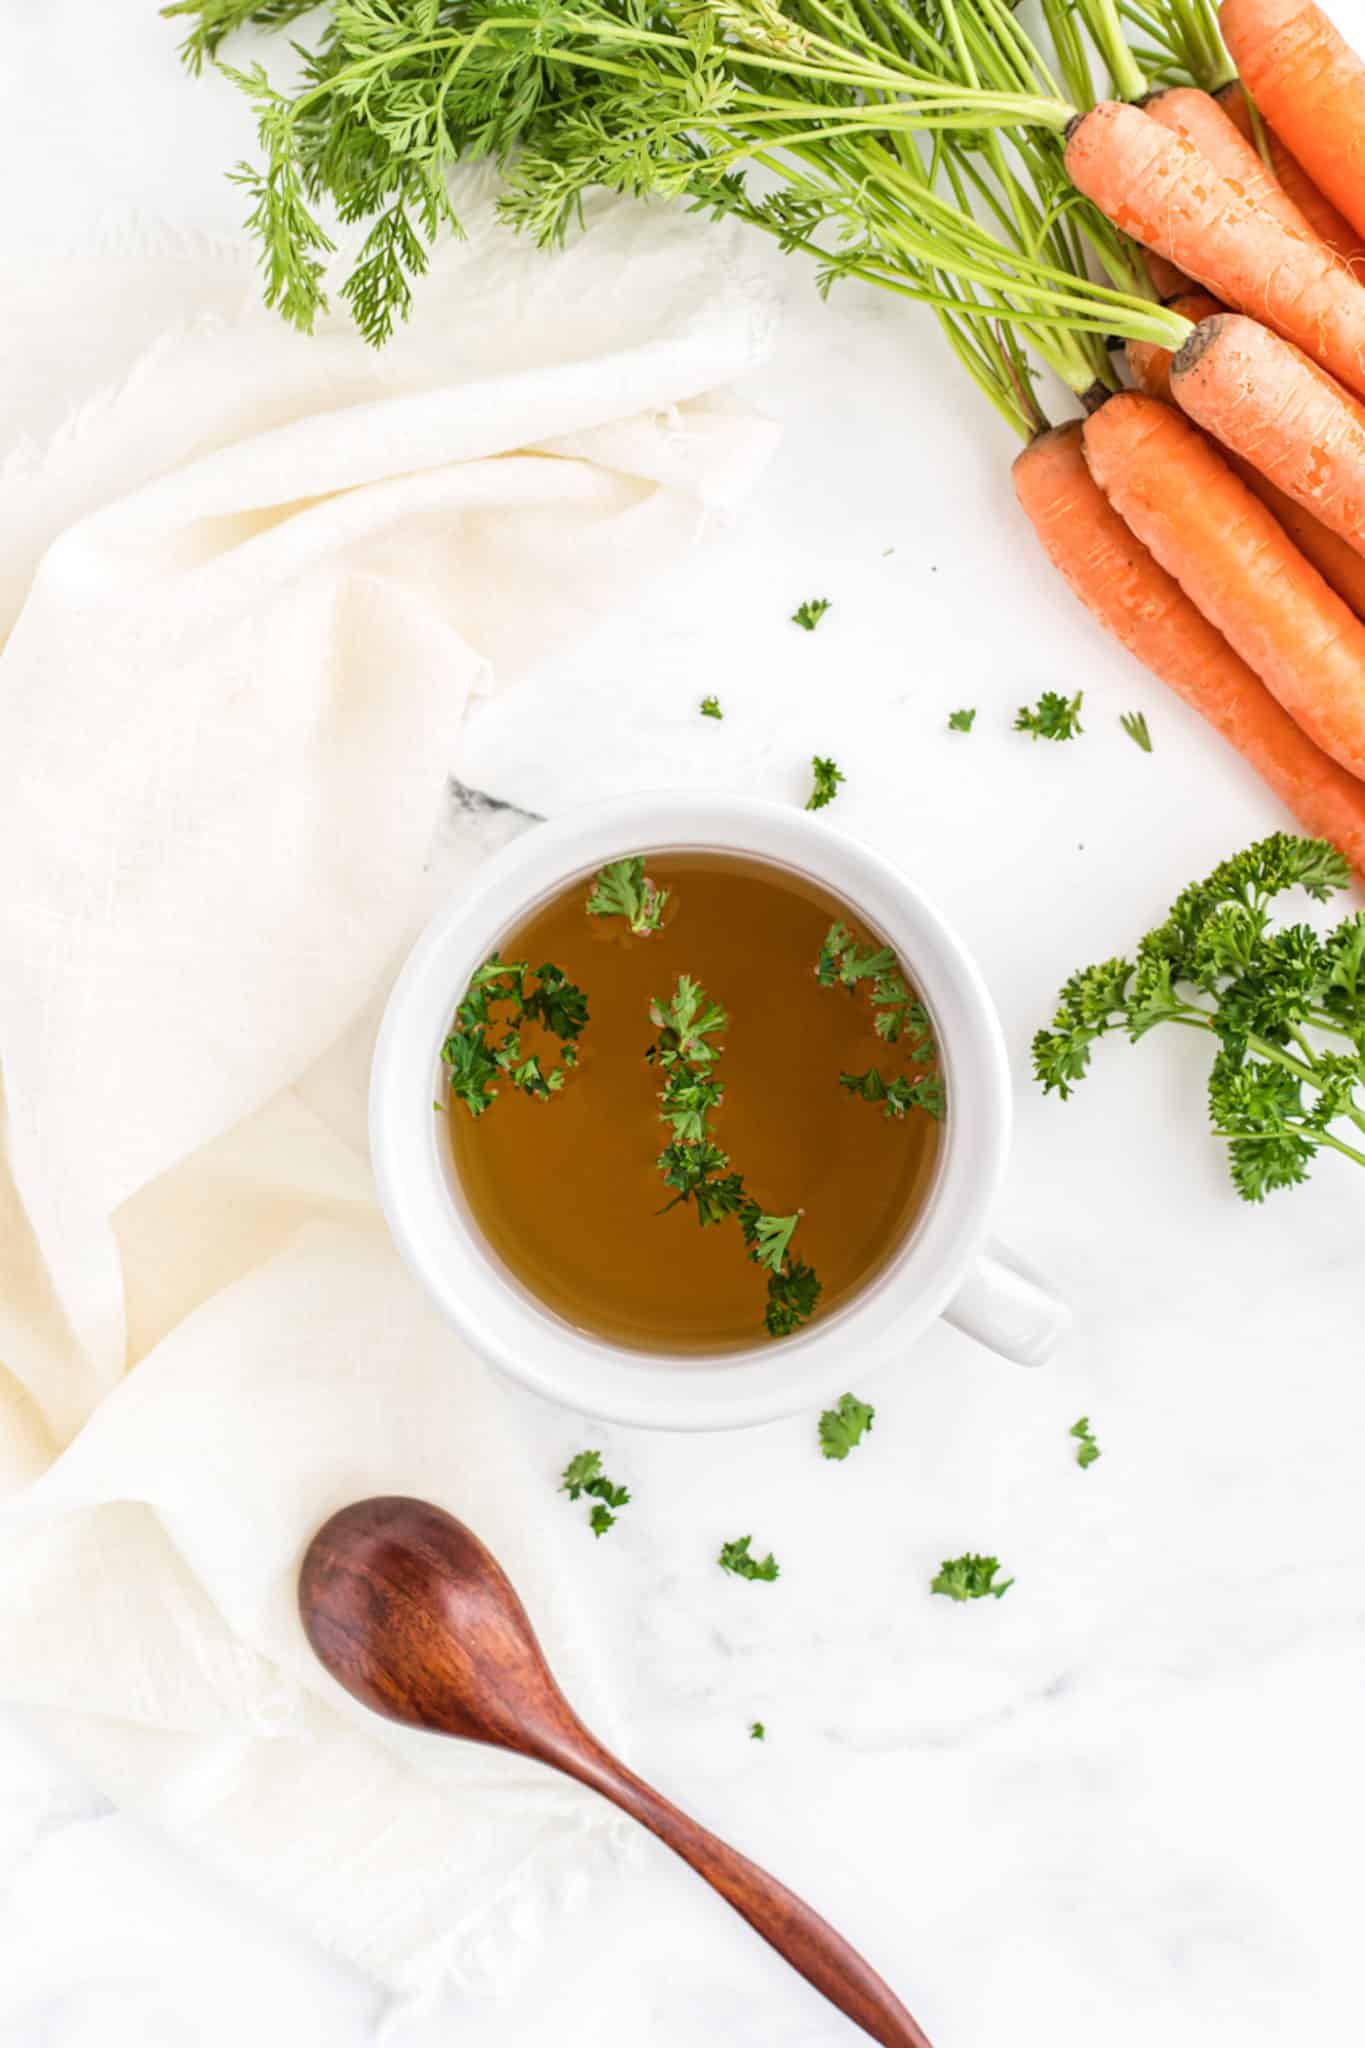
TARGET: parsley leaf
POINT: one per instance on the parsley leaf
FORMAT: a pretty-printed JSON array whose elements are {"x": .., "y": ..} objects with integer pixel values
[
  {"x": 1134, "y": 724},
  {"x": 809, "y": 613},
  {"x": 477, "y": 1057},
  {"x": 1283, "y": 1006},
  {"x": 961, "y": 721},
  {"x": 970, "y": 1577},
  {"x": 897, "y": 1015},
  {"x": 579, "y": 1471},
  {"x": 827, "y": 780},
  {"x": 843, "y": 1427},
  {"x": 623, "y": 889},
  {"x": 734, "y": 1557},
  {"x": 757, "y": 1731},
  {"x": 584, "y": 1475},
  {"x": 1087, "y": 1450},
  {"x": 1054, "y": 717},
  {"x": 710, "y": 708}
]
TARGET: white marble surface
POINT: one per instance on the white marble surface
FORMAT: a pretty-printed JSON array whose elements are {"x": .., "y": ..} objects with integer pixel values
[{"x": 1124, "y": 1803}]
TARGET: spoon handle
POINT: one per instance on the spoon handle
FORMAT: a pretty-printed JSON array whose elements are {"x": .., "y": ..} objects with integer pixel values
[{"x": 790, "y": 1926}]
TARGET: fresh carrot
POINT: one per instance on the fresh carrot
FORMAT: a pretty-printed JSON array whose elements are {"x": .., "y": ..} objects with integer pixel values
[
  {"x": 1117, "y": 579},
  {"x": 1230, "y": 556},
  {"x": 1165, "y": 193},
  {"x": 1199, "y": 119},
  {"x": 1310, "y": 85},
  {"x": 1149, "y": 365},
  {"x": 1167, "y": 282},
  {"x": 1268, "y": 403},
  {"x": 1329, "y": 225},
  {"x": 1335, "y": 559}
]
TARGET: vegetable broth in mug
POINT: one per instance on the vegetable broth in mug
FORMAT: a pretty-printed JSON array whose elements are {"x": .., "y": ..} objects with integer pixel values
[{"x": 567, "y": 1192}]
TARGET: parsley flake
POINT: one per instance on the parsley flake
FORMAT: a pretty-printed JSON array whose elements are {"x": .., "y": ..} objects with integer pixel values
[
  {"x": 1087, "y": 1450},
  {"x": 844, "y": 1427},
  {"x": 962, "y": 721},
  {"x": 584, "y": 1475},
  {"x": 827, "y": 780},
  {"x": 623, "y": 889},
  {"x": 809, "y": 613},
  {"x": 734, "y": 1557},
  {"x": 710, "y": 708},
  {"x": 970, "y": 1577},
  {"x": 1134, "y": 724},
  {"x": 757, "y": 1731},
  {"x": 1053, "y": 718}
]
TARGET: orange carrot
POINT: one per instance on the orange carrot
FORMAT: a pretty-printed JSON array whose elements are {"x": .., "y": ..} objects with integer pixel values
[
  {"x": 1329, "y": 225},
  {"x": 1197, "y": 117},
  {"x": 1230, "y": 556},
  {"x": 1149, "y": 364},
  {"x": 1162, "y": 191},
  {"x": 1167, "y": 281},
  {"x": 1267, "y": 402},
  {"x": 1310, "y": 85},
  {"x": 1335, "y": 559},
  {"x": 1116, "y": 578}
]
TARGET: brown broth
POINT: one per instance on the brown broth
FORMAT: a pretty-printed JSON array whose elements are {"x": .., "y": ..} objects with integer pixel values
[{"x": 566, "y": 1192}]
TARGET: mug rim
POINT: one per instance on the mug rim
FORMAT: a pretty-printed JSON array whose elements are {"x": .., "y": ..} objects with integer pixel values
[{"x": 681, "y": 1391}]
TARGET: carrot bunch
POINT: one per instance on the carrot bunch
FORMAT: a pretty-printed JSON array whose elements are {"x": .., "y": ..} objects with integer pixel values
[{"x": 1214, "y": 518}]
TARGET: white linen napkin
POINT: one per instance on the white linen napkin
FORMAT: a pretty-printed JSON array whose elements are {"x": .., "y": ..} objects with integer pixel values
[{"x": 250, "y": 583}]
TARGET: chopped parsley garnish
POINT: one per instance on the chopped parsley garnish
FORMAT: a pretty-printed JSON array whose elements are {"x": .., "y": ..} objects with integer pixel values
[
  {"x": 962, "y": 721},
  {"x": 1134, "y": 724},
  {"x": 844, "y": 1427},
  {"x": 1053, "y": 718},
  {"x": 1087, "y": 1450},
  {"x": 809, "y": 613},
  {"x": 710, "y": 708},
  {"x": 584, "y": 1475},
  {"x": 827, "y": 780},
  {"x": 897, "y": 1015},
  {"x": 697, "y": 1169},
  {"x": 624, "y": 890},
  {"x": 970, "y": 1577},
  {"x": 757, "y": 1731},
  {"x": 1284, "y": 1007},
  {"x": 477, "y": 1057},
  {"x": 734, "y": 1557}
]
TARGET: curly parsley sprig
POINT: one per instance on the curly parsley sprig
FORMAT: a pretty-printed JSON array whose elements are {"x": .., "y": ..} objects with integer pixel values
[
  {"x": 481, "y": 1051},
  {"x": 686, "y": 1051},
  {"x": 1286, "y": 1007},
  {"x": 623, "y": 889},
  {"x": 897, "y": 1015}
]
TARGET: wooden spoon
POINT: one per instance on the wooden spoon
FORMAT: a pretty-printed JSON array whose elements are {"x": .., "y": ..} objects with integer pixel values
[{"x": 413, "y": 1616}]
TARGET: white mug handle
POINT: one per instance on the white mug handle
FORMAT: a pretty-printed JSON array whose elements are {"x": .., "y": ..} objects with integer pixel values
[{"x": 1009, "y": 1308}]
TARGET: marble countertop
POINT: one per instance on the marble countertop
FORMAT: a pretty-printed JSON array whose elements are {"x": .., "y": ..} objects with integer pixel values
[{"x": 1123, "y": 1803}]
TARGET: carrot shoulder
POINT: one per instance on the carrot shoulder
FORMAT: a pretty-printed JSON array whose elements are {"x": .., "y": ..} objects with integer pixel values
[
  {"x": 1335, "y": 559},
  {"x": 1229, "y": 554},
  {"x": 1324, "y": 219},
  {"x": 1267, "y": 402},
  {"x": 1310, "y": 85},
  {"x": 1161, "y": 190},
  {"x": 1199, "y": 119},
  {"x": 1117, "y": 580}
]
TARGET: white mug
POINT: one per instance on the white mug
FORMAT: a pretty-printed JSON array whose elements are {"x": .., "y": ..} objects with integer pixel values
[{"x": 942, "y": 1267}]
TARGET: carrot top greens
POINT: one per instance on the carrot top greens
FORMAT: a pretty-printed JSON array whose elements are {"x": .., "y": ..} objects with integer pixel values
[
  {"x": 1286, "y": 1008},
  {"x": 877, "y": 136}
]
